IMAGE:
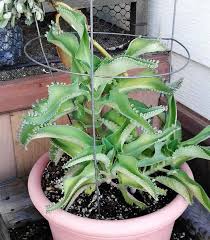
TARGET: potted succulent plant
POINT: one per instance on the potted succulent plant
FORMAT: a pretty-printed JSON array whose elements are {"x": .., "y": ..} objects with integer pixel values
[
  {"x": 138, "y": 166},
  {"x": 11, "y": 38}
]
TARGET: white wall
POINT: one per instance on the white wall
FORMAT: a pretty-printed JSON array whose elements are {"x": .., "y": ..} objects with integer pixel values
[
  {"x": 192, "y": 19},
  {"x": 195, "y": 91}
]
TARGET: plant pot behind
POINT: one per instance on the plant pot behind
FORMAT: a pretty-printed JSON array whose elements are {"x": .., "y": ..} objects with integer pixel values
[
  {"x": 11, "y": 44},
  {"x": 66, "y": 226}
]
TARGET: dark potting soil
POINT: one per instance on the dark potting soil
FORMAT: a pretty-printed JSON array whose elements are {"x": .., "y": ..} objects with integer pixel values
[
  {"x": 112, "y": 203},
  {"x": 40, "y": 231}
]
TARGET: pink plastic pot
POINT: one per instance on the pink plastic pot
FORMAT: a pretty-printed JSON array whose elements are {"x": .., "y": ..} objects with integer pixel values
[{"x": 66, "y": 226}]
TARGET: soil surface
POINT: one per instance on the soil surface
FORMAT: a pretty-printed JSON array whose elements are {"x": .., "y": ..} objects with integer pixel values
[
  {"x": 112, "y": 203},
  {"x": 40, "y": 231}
]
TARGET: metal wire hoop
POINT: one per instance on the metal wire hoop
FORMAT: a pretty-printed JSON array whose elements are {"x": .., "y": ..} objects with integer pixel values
[{"x": 170, "y": 73}]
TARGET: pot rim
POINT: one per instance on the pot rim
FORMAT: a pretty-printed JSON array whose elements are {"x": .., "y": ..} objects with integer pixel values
[{"x": 134, "y": 226}]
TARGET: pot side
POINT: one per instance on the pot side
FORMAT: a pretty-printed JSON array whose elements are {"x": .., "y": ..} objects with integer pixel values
[{"x": 66, "y": 226}]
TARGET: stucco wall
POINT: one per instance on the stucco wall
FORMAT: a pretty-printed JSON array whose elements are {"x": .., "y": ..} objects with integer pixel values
[{"x": 193, "y": 31}]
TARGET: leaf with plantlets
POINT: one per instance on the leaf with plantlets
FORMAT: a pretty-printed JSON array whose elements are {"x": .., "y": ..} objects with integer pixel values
[
  {"x": 25, "y": 132},
  {"x": 108, "y": 70},
  {"x": 99, "y": 156},
  {"x": 194, "y": 188},
  {"x": 27, "y": 128},
  {"x": 77, "y": 20},
  {"x": 66, "y": 133},
  {"x": 65, "y": 41},
  {"x": 110, "y": 125},
  {"x": 200, "y": 137},
  {"x": 59, "y": 96},
  {"x": 157, "y": 158},
  {"x": 177, "y": 186},
  {"x": 120, "y": 102},
  {"x": 178, "y": 134},
  {"x": 73, "y": 185},
  {"x": 146, "y": 140},
  {"x": 161, "y": 191},
  {"x": 55, "y": 153},
  {"x": 141, "y": 46},
  {"x": 175, "y": 85},
  {"x": 146, "y": 112},
  {"x": 126, "y": 134},
  {"x": 40, "y": 105},
  {"x": 187, "y": 153},
  {"x": 111, "y": 155},
  {"x": 143, "y": 83},
  {"x": 128, "y": 174},
  {"x": 130, "y": 199}
]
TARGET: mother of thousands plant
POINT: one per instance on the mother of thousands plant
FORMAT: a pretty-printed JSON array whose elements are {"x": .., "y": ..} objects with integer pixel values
[{"x": 131, "y": 153}]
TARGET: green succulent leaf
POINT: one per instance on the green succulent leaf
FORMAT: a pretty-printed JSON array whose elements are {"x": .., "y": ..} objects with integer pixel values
[
  {"x": 144, "y": 83},
  {"x": 115, "y": 138},
  {"x": 77, "y": 20},
  {"x": 130, "y": 199},
  {"x": 141, "y": 46},
  {"x": 177, "y": 186},
  {"x": 126, "y": 134},
  {"x": 187, "y": 153},
  {"x": 65, "y": 133},
  {"x": 99, "y": 157},
  {"x": 114, "y": 117},
  {"x": 55, "y": 153},
  {"x": 129, "y": 175},
  {"x": 110, "y": 125},
  {"x": 200, "y": 137},
  {"x": 57, "y": 105},
  {"x": 194, "y": 188},
  {"x": 146, "y": 140},
  {"x": 74, "y": 185},
  {"x": 109, "y": 69},
  {"x": 66, "y": 41},
  {"x": 147, "y": 112},
  {"x": 69, "y": 148},
  {"x": 120, "y": 102},
  {"x": 171, "y": 118},
  {"x": 49, "y": 110},
  {"x": 158, "y": 157}
]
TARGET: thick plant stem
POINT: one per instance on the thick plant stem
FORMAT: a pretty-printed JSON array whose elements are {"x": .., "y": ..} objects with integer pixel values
[
  {"x": 101, "y": 50},
  {"x": 57, "y": 20}
]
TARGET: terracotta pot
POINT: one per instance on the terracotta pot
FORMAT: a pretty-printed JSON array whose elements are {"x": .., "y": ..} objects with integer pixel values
[{"x": 66, "y": 226}]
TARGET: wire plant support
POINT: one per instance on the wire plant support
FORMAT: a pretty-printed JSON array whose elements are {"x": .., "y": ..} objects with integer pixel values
[
  {"x": 93, "y": 106},
  {"x": 166, "y": 75},
  {"x": 170, "y": 73}
]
